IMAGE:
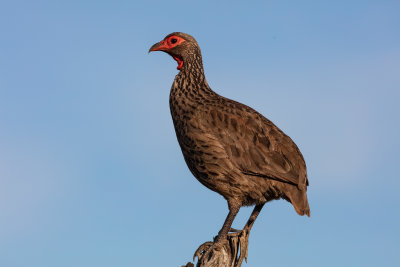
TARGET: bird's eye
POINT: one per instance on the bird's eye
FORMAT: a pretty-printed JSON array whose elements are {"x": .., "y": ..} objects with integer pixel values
[{"x": 174, "y": 40}]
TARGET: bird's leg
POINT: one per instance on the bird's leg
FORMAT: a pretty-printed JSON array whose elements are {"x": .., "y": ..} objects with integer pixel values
[
  {"x": 237, "y": 241},
  {"x": 242, "y": 237},
  {"x": 223, "y": 233},
  {"x": 249, "y": 223},
  {"x": 253, "y": 217},
  {"x": 208, "y": 250}
]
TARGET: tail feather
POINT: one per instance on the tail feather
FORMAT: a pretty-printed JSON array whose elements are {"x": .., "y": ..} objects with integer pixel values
[{"x": 299, "y": 200}]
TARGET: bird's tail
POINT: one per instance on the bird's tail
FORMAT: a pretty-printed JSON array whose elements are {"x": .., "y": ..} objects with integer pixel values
[{"x": 299, "y": 200}]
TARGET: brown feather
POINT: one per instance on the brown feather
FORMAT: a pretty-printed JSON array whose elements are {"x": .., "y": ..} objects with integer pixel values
[{"x": 229, "y": 147}]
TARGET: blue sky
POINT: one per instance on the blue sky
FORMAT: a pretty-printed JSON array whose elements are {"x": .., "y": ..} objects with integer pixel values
[{"x": 90, "y": 170}]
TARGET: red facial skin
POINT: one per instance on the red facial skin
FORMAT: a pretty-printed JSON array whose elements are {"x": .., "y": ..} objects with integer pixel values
[
  {"x": 167, "y": 44},
  {"x": 180, "y": 63}
]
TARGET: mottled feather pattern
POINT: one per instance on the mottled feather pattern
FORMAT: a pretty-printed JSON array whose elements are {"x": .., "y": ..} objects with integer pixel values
[{"x": 229, "y": 147}]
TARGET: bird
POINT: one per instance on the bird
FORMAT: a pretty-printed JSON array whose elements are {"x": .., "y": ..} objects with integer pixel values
[{"x": 229, "y": 147}]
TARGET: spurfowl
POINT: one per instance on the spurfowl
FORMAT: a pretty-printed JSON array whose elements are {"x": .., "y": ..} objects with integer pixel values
[{"x": 229, "y": 147}]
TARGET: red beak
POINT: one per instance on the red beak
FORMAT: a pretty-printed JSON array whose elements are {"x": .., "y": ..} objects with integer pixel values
[{"x": 160, "y": 46}]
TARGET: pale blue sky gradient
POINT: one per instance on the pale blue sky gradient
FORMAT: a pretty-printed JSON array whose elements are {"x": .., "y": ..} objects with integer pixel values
[{"x": 90, "y": 170}]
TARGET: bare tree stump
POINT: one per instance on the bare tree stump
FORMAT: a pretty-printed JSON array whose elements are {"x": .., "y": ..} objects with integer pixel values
[{"x": 230, "y": 253}]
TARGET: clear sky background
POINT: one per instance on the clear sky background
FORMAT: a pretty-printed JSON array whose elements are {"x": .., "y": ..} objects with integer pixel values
[{"x": 90, "y": 170}]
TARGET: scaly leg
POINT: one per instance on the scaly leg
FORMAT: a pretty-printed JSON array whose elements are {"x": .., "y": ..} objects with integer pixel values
[
  {"x": 253, "y": 217},
  {"x": 238, "y": 239},
  {"x": 205, "y": 250},
  {"x": 243, "y": 236},
  {"x": 223, "y": 233}
]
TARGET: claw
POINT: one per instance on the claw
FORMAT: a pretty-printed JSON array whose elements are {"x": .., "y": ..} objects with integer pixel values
[
  {"x": 243, "y": 242},
  {"x": 236, "y": 243},
  {"x": 202, "y": 249}
]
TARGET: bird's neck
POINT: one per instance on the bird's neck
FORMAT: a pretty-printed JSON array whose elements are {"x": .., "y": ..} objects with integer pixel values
[
  {"x": 189, "y": 91},
  {"x": 190, "y": 83}
]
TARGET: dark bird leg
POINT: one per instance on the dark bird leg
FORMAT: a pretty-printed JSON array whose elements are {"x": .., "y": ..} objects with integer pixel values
[
  {"x": 235, "y": 249},
  {"x": 223, "y": 233},
  {"x": 257, "y": 209},
  {"x": 208, "y": 250},
  {"x": 243, "y": 236}
]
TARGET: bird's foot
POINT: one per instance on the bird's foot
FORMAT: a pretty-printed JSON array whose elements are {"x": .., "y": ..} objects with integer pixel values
[
  {"x": 239, "y": 240},
  {"x": 210, "y": 253},
  {"x": 231, "y": 251},
  {"x": 203, "y": 248}
]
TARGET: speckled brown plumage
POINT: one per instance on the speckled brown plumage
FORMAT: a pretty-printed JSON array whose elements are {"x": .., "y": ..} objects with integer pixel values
[{"x": 229, "y": 147}]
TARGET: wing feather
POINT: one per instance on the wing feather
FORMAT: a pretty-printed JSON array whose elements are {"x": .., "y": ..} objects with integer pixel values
[{"x": 252, "y": 143}]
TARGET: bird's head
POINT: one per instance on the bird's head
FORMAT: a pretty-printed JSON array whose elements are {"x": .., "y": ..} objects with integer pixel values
[{"x": 181, "y": 46}]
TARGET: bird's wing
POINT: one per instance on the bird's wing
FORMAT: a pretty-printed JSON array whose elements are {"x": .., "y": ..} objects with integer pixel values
[{"x": 253, "y": 144}]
